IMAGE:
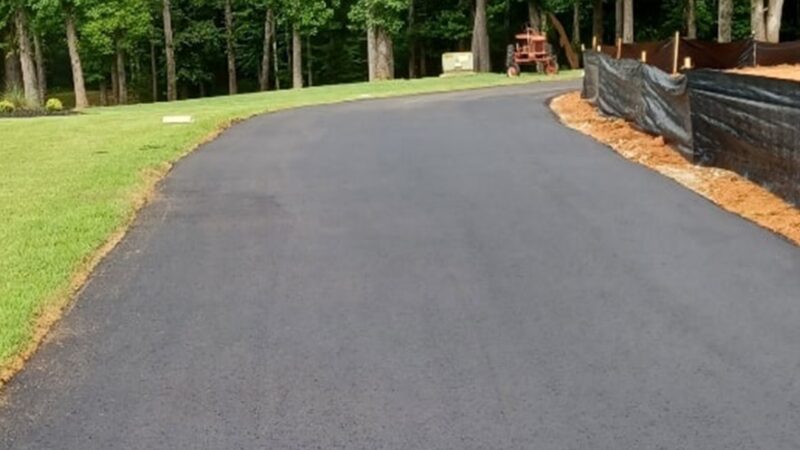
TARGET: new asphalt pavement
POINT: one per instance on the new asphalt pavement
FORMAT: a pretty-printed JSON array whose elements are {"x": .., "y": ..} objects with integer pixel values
[{"x": 453, "y": 271}]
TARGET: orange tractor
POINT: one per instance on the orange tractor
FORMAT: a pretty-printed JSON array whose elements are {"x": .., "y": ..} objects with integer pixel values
[{"x": 531, "y": 48}]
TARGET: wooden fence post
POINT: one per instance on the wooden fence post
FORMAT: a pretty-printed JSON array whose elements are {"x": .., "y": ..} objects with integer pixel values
[{"x": 675, "y": 52}]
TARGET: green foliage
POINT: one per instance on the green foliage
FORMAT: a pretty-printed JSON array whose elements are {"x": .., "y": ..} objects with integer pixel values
[
  {"x": 308, "y": 15},
  {"x": 54, "y": 105},
  {"x": 336, "y": 47},
  {"x": 741, "y": 19},
  {"x": 7, "y": 107},
  {"x": 387, "y": 14},
  {"x": 449, "y": 24},
  {"x": 112, "y": 23},
  {"x": 16, "y": 97}
]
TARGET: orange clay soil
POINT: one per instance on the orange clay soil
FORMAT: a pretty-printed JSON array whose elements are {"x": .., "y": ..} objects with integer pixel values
[
  {"x": 727, "y": 189},
  {"x": 785, "y": 71}
]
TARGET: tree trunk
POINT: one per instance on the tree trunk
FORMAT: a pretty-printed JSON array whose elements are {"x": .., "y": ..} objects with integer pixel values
[
  {"x": 564, "y": 42},
  {"x": 169, "y": 50},
  {"x": 597, "y": 21},
  {"x": 29, "y": 82},
  {"x": 627, "y": 27},
  {"x": 423, "y": 61},
  {"x": 535, "y": 19},
  {"x": 11, "y": 68},
  {"x": 275, "y": 58},
  {"x": 384, "y": 55},
  {"x": 309, "y": 62},
  {"x": 297, "y": 58},
  {"x": 371, "y": 52},
  {"x": 619, "y": 19},
  {"x": 412, "y": 41},
  {"x": 543, "y": 21},
  {"x": 153, "y": 73},
  {"x": 507, "y": 18},
  {"x": 413, "y": 57},
  {"x": 535, "y": 15},
  {"x": 41, "y": 76},
  {"x": 757, "y": 20},
  {"x": 103, "y": 93},
  {"x": 480, "y": 39},
  {"x": 233, "y": 87},
  {"x": 114, "y": 83},
  {"x": 122, "y": 78},
  {"x": 78, "y": 84},
  {"x": 725, "y": 18},
  {"x": 691, "y": 19},
  {"x": 288, "y": 39},
  {"x": 576, "y": 22},
  {"x": 774, "y": 18},
  {"x": 13, "y": 76},
  {"x": 263, "y": 74}
]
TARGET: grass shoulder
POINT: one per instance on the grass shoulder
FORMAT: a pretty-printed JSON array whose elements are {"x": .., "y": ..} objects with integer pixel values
[{"x": 71, "y": 185}]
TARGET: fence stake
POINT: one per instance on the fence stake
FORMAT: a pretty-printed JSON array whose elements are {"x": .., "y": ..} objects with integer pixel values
[
  {"x": 755, "y": 53},
  {"x": 594, "y": 41},
  {"x": 619, "y": 48},
  {"x": 687, "y": 62},
  {"x": 676, "y": 51},
  {"x": 644, "y": 57}
]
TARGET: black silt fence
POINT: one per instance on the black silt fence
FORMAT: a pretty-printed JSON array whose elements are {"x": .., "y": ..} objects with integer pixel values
[
  {"x": 710, "y": 55},
  {"x": 591, "y": 76},
  {"x": 642, "y": 94},
  {"x": 747, "y": 124},
  {"x": 750, "y": 125},
  {"x": 666, "y": 108},
  {"x": 767, "y": 54},
  {"x": 620, "y": 89}
]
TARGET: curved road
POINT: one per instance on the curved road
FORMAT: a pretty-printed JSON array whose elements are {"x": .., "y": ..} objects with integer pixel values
[{"x": 453, "y": 271}]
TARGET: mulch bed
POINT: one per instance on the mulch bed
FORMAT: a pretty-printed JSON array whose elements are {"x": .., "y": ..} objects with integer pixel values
[
  {"x": 27, "y": 113},
  {"x": 727, "y": 189}
]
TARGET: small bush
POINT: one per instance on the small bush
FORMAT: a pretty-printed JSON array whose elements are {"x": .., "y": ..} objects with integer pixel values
[
  {"x": 7, "y": 107},
  {"x": 16, "y": 97},
  {"x": 54, "y": 105}
]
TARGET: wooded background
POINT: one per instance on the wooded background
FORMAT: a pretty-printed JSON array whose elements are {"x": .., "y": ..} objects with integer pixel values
[{"x": 125, "y": 51}]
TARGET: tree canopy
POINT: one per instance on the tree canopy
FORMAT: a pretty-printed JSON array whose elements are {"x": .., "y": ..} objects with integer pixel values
[{"x": 120, "y": 45}]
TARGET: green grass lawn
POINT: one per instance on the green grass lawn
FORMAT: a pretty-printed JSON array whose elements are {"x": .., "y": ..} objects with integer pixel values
[{"x": 68, "y": 183}]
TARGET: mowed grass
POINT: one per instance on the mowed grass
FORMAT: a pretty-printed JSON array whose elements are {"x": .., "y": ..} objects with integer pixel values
[{"x": 69, "y": 183}]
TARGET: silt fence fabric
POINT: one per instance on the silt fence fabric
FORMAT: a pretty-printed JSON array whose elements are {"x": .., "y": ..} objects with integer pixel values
[
  {"x": 590, "y": 76},
  {"x": 655, "y": 101},
  {"x": 750, "y": 125}
]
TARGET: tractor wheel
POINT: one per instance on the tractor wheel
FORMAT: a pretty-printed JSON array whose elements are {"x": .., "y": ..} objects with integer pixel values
[
  {"x": 513, "y": 71},
  {"x": 510, "y": 50}
]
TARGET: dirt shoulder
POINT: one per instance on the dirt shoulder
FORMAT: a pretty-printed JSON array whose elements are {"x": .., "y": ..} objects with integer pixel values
[
  {"x": 784, "y": 71},
  {"x": 727, "y": 189}
]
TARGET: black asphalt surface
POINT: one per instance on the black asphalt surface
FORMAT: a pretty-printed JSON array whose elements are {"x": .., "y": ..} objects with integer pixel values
[{"x": 454, "y": 271}]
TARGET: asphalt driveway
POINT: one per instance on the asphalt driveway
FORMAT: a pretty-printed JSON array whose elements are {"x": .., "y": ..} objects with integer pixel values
[{"x": 453, "y": 271}]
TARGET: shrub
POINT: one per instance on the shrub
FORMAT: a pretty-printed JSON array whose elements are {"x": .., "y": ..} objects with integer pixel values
[
  {"x": 16, "y": 97},
  {"x": 7, "y": 107},
  {"x": 53, "y": 105}
]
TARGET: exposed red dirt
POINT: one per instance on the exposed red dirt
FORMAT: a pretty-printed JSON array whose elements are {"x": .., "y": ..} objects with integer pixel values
[{"x": 727, "y": 189}]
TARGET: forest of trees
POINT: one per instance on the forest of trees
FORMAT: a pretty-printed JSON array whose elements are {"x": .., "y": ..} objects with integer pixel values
[{"x": 123, "y": 51}]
